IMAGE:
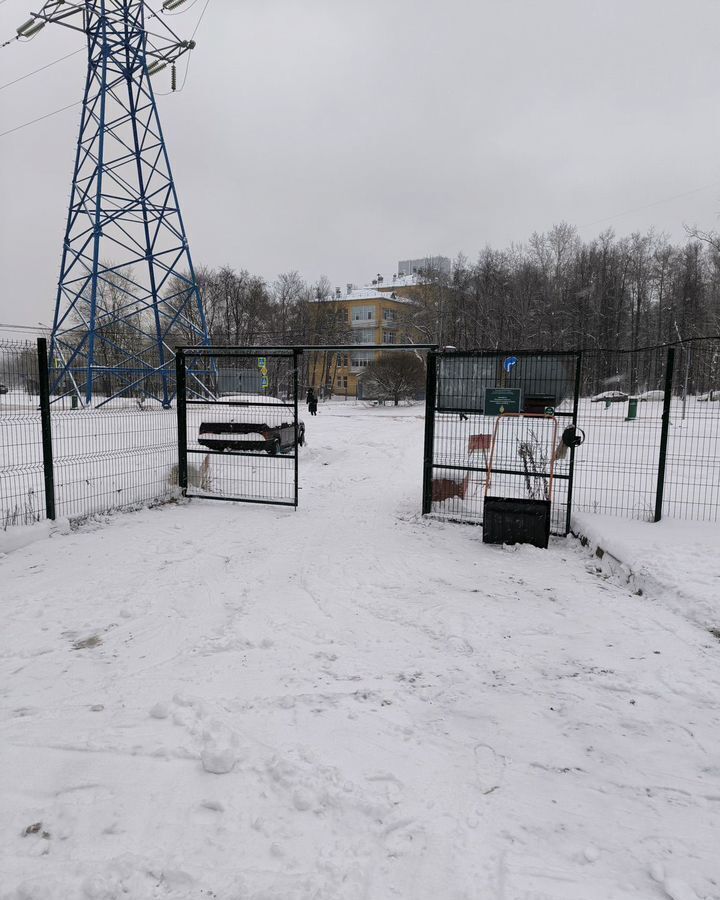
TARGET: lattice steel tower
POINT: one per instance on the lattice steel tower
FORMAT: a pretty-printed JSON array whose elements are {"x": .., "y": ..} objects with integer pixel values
[{"x": 127, "y": 291}]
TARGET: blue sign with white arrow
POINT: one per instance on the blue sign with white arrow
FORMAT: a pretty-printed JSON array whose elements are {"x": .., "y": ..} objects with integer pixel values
[{"x": 509, "y": 363}]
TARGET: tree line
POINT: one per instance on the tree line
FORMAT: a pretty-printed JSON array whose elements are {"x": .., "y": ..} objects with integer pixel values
[{"x": 555, "y": 292}]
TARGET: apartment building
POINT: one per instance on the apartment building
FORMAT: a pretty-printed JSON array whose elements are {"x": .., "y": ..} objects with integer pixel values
[{"x": 366, "y": 316}]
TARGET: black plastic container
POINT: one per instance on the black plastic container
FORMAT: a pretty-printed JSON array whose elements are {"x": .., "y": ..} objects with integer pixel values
[{"x": 509, "y": 520}]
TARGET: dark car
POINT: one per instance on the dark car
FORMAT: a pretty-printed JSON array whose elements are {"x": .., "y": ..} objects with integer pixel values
[
  {"x": 3, "y": 389},
  {"x": 243, "y": 436},
  {"x": 610, "y": 397}
]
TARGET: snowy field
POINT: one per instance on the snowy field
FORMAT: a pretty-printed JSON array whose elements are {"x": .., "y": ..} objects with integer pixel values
[{"x": 210, "y": 700}]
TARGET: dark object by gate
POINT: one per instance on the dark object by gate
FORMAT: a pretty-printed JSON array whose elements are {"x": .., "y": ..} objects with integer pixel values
[{"x": 511, "y": 520}]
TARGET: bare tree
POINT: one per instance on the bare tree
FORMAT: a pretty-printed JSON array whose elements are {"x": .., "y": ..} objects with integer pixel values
[{"x": 395, "y": 377}]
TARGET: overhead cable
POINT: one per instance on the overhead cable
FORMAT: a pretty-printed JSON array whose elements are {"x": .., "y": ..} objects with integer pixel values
[
  {"x": 40, "y": 118},
  {"x": 42, "y": 68}
]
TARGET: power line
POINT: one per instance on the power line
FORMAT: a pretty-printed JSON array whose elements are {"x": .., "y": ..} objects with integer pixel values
[
  {"x": 33, "y": 328},
  {"x": 40, "y": 118},
  {"x": 42, "y": 68},
  {"x": 207, "y": 2},
  {"x": 627, "y": 212}
]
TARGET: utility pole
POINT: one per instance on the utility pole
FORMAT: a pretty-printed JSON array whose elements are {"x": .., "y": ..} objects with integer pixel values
[{"x": 127, "y": 292}]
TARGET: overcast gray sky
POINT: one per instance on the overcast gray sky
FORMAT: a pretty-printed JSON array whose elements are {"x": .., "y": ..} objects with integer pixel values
[{"x": 337, "y": 136}]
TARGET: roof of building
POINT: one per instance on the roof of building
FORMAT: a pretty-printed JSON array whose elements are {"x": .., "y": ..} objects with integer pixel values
[
  {"x": 366, "y": 293},
  {"x": 403, "y": 281}
]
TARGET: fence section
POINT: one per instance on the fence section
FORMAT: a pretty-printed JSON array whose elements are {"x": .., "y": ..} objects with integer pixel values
[
  {"x": 692, "y": 464},
  {"x": 114, "y": 457},
  {"x": 636, "y": 404},
  {"x": 22, "y": 488}
]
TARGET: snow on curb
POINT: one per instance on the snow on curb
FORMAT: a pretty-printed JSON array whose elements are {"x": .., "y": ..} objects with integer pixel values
[{"x": 673, "y": 562}]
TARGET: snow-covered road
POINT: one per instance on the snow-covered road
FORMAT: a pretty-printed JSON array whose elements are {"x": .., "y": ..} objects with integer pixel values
[{"x": 347, "y": 701}]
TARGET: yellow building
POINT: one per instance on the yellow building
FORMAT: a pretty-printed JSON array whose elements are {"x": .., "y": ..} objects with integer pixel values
[{"x": 366, "y": 316}]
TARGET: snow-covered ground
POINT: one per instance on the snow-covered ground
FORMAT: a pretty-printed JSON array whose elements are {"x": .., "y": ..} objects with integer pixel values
[{"x": 347, "y": 701}]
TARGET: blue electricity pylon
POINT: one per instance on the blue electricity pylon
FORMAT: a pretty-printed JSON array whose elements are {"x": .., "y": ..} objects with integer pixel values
[{"x": 127, "y": 292}]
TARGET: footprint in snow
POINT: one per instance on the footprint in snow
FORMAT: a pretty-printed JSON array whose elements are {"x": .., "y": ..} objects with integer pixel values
[{"x": 459, "y": 645}]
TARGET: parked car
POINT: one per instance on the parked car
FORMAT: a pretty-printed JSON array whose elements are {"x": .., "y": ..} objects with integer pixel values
[
  {"x": 710, "y": 396},
  {"x": 244, "y": 436},
  {"x": 656, "y": 396},
  {"x": 251, "y": 423},
  {"x": 609, "y": 397},
  {"x": 3, "y": 389}
]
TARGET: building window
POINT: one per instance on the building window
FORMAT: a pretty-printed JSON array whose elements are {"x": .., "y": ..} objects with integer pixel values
[
  {"x": 389, "y": 337},
  {"x": 361, "y": 360},
  {"x": 344, "y": 381},
  {"x": 363, "y": 313},
  {"x": 389, "y": 315},
  {"x": 364, "y": 336}
]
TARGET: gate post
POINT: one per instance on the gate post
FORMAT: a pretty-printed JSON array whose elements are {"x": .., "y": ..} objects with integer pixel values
[
  {"x": 669, "y": 367},
  {"x": 430, "y": 400},
  {"x": 296, "y": 363},
  {"x": 46, "y": 425},
  {"x": 571, "y": 466},
  {"x": 181, "y": 417}
]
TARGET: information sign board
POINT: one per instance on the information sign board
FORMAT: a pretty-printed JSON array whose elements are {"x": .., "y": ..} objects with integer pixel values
[{"x": 501, "y": 400}]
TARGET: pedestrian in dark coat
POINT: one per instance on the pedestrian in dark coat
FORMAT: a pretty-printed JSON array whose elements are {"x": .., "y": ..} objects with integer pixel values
[{"x": 312, "y": 402}]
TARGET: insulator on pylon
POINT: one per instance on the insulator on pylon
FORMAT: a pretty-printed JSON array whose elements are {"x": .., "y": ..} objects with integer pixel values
[
  {"x": 172, "y": 4},
  {"x": 173, "y": 78},
  {"x": 29, "y": 28},
  {"x": 156, "y": 67}
]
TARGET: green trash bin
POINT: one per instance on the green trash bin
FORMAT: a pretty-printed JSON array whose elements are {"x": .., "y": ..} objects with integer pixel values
[
  {"x": 74, "y": 401},
  {"x": 632, "y": 409}
]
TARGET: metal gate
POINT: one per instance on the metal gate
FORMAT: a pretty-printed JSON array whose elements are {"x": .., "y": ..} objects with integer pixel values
[
  {"x": 466, "y": 391},
  {"x": 238, "y": 427}
]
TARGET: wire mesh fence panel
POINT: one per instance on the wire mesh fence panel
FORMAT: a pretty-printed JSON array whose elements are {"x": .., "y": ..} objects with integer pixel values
[
  {"x": 620, "y": 467},
  {"x": 113, "y": 457},
  {"x": 241, "y": 430},
  {"x": 692, "y": 465},
  {"x": 472, "y": 390},
  {"x": 621, "y": 413},
  {"x": 22, "y": 491}
]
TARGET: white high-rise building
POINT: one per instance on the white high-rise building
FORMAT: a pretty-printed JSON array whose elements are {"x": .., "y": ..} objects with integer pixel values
[{"x": 427, "y": 263}]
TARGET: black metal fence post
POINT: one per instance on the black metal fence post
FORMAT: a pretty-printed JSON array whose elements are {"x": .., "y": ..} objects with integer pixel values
[
  {"x": 667, "y": 400},
  {"x": 296, "y": 363},
  {"x": 46, "y": 424},
  {"x": 180, "y": 399},
  {"x": 430, "y": 399},
  {"x": 571, "y": 466}
]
